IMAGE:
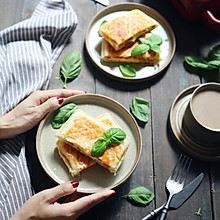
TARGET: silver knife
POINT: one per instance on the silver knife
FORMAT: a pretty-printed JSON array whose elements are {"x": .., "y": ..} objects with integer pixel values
[
  {"x": 179, "y": 198},
  {"x": 102, "y": 2}
]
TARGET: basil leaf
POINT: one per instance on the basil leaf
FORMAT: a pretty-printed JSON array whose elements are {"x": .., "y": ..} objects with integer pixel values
[
  {"x": 140, "y": 108},
  {"x": 114, "y": 136},
  {"x": 111, "y": 136},
  {"x": 155, "y": 48},
  {"x": 103, "y": 22},
  {"x": 198, "y": 62},
  {"x": 139, "y": 49},
  {"x": 215, "y": 63},
  {"x": 99, "y": 147},
  {"x": 144, "y": 40},
  {"x": 214, "y": 53},
  {"x": 127, "y": 70},
  {"x": 155, "y": 39},
  {"x": 141, "y": 195},
  {"x": 62, "y": 114},
  {"x": 70, "y": 67}
]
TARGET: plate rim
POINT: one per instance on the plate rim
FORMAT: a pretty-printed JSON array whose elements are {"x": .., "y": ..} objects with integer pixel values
[
  {"x": 113, "y": 8},
  {"x": 139, "y": 143}
]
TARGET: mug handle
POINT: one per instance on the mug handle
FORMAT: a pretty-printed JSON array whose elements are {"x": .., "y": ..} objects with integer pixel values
[{"x": 212, "y": 21}]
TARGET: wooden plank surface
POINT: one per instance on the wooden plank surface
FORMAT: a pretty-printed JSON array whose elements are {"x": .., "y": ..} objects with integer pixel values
[{"x": 160, "y": 150}]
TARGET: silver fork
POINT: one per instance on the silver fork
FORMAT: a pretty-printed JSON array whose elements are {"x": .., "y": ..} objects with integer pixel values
[{"x": 176, "y": 181}]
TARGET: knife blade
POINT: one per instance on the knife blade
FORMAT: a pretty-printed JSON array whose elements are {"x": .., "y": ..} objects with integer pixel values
[
  {"x": 102, "y": 2},
  {"x": 179, "y": 198}
]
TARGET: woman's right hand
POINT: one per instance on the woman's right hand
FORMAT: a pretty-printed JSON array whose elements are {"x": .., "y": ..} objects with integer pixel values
[{"x": 44, "y": 204}]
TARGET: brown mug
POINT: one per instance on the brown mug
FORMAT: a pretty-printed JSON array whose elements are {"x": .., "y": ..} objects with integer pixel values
[{"x": 202, "y": 115}]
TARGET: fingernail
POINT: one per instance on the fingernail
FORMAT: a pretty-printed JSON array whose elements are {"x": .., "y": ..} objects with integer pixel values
[
  {"x": 113, "y": 193},
  {"x": 74, "y": 183},
  {"x": 60, "y": 100}
]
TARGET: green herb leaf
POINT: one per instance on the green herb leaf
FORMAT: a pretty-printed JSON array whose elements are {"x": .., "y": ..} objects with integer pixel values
[
  {"x": 62, "y": 114},
  {"x": 139, "y": 49},
  {"x": 153, "y": 43},
  {"x": 140, "y": 195},
  {"x": 198, "y": 213},
  {"x": 111, "y": 136},
  {"x": 155, "y": 48},
  {"x": 114, "y": 136},
  {"x": 214, "y": 53},
  {"x": 103, "y": 22},
  {"x": 140, "y": 108},
  {"x": 199, "y": 62},
  {"x": 70, "y": 67},
  {"x": 215, "y": 63},
  {"x": 99, "y": 147},
  {"x": 144, "y": 40},
  {"x": 155, "y": 39},
  {"x": 127, "y": 70}
]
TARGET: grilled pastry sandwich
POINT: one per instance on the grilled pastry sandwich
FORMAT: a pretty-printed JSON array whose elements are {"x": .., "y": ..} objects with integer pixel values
[
  {"x": 124, "y": 30},
  {"x": 82, "y": 131},
  {"x": 109, "y": 54},
  {"x": 74, "y": 160}
]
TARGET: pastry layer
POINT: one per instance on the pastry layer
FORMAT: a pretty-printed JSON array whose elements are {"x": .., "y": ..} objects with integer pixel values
[
  {"x": 108, "y": 54},
  {"x": 74, "y": 160},
  {"x": 82, "y": 131},
  {"x": 124, "y": 30}
]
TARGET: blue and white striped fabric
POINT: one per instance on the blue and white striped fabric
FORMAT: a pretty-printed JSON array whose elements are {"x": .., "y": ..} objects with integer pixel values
[{"x": 28, "y": 51}]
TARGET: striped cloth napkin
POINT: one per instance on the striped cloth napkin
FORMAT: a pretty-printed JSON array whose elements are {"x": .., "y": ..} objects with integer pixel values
[{"x": 28, "y": 51}]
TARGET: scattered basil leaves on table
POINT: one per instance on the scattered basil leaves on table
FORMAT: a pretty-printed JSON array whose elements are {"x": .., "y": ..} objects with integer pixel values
[
  {"x": 62, "y": 114},
  {"x": 211, "y": 62},
  {"x": 153, "y": 43},
  {"x": 70, "y": 67},
  {"x": 111, "y": 136},
  {"x": 140, "y": 108},
  {"x": 127, "y": 70},
  {"x": 140, "y": 195}
]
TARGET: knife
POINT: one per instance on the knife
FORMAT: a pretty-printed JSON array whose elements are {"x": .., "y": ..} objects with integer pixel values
[
  {"x": 102, "y": 2},
  {"x": 179, "y": 198}
]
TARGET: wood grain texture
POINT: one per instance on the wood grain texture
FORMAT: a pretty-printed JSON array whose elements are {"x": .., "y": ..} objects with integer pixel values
[{"x": 160, "y": 150}]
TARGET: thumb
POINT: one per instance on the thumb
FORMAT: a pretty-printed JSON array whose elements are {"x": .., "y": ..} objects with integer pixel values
[{"x": 61, "y": 190}]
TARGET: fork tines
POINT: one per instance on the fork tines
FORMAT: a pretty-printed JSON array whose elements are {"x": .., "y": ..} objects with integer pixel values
[{"x": 181, "y": 168}]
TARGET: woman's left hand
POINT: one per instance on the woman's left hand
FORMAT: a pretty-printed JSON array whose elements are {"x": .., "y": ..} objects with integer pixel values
[
  {"x": 30, "y": 111},
  {"x": 44, "y": 205}
]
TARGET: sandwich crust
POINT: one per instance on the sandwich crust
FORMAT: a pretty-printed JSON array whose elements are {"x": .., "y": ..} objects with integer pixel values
[
  {"x": 82, "y": 131},
  {"x": 108, "y": 54},
  {"x": 74, "y": 160},
  {"x": 124, "y": 30}
]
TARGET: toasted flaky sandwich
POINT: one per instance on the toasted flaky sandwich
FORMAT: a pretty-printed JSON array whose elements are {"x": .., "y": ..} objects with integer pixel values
[
  {"x": 124, "y": 30},
  {"x": 109, "y": 54},
  {"x": 82, "y": 131},
  {"x": 118, "y": 149},
  {"x": 74, "y": 160}
]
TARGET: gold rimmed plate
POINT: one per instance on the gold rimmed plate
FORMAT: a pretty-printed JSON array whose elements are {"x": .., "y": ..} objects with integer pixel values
[
  {"x": 144, "y": 72},
  {"x": 187, "y": 142},
  {"x": 94, "y": 178}
]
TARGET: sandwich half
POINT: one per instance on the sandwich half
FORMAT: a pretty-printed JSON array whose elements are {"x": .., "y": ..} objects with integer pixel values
[
  {"x": 109, "y": 54},
  {"x": 82, "y": 131},
  {"x": 124, "y": 30},
  {"x": 74, "y": 160}
]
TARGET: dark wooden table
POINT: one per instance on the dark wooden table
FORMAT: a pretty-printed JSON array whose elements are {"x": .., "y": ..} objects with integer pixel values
[{"x": 160, "y": 150}]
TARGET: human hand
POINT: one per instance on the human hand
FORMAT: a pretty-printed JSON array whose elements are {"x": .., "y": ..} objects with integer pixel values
[
  {"x": 43, "y": 205},
  {"x": 30, "y": 111}
]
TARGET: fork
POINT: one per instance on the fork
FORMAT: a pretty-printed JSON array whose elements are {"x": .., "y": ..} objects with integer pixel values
[{"x": 176, "y": 181}]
